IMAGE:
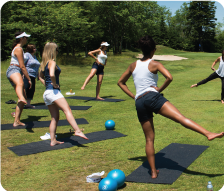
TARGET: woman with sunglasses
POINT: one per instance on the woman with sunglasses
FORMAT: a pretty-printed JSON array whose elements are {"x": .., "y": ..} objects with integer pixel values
[
  {"x": 32, "y": 67},
  {"x": 49, "y": 76},
  {"x": 15, "y": 71},
  {"x": 97, "y": 67},
  {"x": 148, "y": 98}
]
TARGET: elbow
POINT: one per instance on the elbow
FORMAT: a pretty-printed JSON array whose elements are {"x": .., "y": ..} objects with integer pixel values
[{"x": 170, "y": 78}]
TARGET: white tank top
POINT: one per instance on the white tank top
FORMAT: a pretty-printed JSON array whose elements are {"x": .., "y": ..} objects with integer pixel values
[
  {"x": 143, "y": 78},
  {"x": 102, "y": 57},
  {"x": 14, "y": 59},
  {"x": 220, "y": 70}
]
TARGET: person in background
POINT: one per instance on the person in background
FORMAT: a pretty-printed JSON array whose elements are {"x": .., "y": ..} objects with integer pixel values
[
  {"x": 148, "y": 98},
  {"x": 49, "y": 76},
  {"x": 217, "y": 74},
  {"x": 97, "y": 67},
  {"x": 32, "y": 67},
  {"x": 15, "y": 71}
]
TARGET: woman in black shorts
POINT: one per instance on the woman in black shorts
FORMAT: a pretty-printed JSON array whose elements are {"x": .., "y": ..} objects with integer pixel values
[
  {"x": 97, "y": 67},
  {"x": 148, "y": 98}
]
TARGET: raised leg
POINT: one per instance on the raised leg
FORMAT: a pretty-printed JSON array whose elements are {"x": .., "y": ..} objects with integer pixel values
[
  {"x": 148, "y": 129},
  {"x": 99, "y": 82},
  {"x": 53, "y": 125},
  {"x": 170, "y": 111},
  {"x": 91, "y": 75},
  {"x": 63, "y": 105}
]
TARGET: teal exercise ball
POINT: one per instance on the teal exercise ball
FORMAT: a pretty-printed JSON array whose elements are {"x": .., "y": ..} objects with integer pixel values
[
  {"x": 110, "y": 124},
  {"x": 107, "y": 184},
  {"x": 117, "y": 175}
]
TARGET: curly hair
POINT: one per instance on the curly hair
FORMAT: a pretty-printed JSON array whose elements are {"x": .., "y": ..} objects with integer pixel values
[{"x": 147, "y": 44}]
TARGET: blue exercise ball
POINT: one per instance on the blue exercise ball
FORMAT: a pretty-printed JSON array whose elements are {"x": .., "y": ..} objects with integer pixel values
[
  {"x": 107, "y": 184},
  {"x": 117, "y": 175},
  {"x": 110, "y": 124}
]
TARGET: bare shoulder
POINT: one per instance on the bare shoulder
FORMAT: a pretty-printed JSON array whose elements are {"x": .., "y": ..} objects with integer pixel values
[{"x": 132, "y": 66}]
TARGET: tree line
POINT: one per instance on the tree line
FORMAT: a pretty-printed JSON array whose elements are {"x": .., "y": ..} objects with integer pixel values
[{"x": 82, "y": 25}]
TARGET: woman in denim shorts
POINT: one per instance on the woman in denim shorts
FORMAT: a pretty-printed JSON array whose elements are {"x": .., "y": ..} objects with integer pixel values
[
  {"x": 49, "y": 76},
  {"x": 97, "y": 67},
  {"x": 148, "y": 98},
  {"x": 15, "y": 71}
]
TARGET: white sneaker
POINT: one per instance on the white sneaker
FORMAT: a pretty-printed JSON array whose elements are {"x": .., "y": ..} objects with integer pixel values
[{"x": 46, "y": 136}]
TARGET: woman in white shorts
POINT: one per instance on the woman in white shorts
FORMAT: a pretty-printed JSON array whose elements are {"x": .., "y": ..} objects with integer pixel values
[
  {"x": 15, "y": 71},
  {"x": 49, "y": 76}
]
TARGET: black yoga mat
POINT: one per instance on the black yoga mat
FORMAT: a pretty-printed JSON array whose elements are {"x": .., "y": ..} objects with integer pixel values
[
  {"x": 72, "y": 107},
  {"x": 42, "y": 146},
  {"x": 94, "y": 99},
  {"x": 170, "y": 161},
  {"x": 37, "y": 124}
]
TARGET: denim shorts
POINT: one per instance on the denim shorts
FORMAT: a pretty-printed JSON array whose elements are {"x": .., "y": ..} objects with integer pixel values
[
  {"x": 149, "y": 103},
  {"x": 99, "y": 68},
  {"x": 52, "y": 95},
  {"x": 11, "y": 70}
]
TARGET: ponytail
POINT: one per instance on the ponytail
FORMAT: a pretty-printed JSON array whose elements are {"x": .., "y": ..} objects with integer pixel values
[{"x": 17, "y": 40}]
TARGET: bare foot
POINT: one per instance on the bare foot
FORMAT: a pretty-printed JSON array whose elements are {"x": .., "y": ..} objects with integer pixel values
[
  {"x": 29, "y": 106},
  {"x": 80, "y": 134},
  {"x": 18, "y": 123},
  {"x": 100, "y": 98},
  {"x": 56, "y": 143},
  {"x": 222, "y": 101},
  {"x": 155, "y": 174},
  {"x": 22, "y": 101},
  {"x": 194, "y": 85},
  {"x": 215, "y": 135},
  {"x": 82, "y": 88}
]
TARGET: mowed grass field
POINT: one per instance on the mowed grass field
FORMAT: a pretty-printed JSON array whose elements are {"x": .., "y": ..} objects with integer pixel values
[{"x": 66, "y": 169}]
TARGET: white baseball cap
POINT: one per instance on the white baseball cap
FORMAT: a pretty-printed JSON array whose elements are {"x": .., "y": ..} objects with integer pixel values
[
  {"x": 23, "y": 35},
  {"x": 105, "y": 44}
]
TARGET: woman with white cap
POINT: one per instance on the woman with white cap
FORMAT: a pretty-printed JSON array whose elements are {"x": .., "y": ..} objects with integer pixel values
[
  {"x": 97, "y": 67},
  {"x": 15, "y": 71}
]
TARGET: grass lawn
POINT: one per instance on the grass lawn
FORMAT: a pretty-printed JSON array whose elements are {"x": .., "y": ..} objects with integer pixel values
[{"x": 66, "y": 169}]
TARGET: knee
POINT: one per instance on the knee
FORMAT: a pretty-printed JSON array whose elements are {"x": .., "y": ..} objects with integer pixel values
[{"x": 99, "y": 83}]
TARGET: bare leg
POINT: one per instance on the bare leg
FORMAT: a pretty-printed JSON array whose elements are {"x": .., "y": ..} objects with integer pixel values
[
  {"x": 99, "y": 82},
  {"x": 53, "y": 125},
  {"x": 16, "y": 78},
  {"x": 63, "y": 105},
  {"x": 148, "y": 129},
  {"x": 170, "y": 111},
  {"x": 19, "y": 109},
  {"x": 91, "y": 75},
  {"x": 29, "y": 104}
]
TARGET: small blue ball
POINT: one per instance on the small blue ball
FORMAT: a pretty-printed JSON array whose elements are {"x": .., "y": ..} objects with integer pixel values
[
  {"x": 117, "y": 175},
  {"x": 110, "y": 124},
  {"x": 107, "y": 184}
]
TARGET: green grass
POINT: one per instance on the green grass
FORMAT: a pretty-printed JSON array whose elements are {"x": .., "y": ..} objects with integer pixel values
[{"x": 66, "y": 169}]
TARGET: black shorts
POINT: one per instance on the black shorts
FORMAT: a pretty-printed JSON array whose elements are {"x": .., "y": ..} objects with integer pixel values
[
  {"x": 99, "y": 68},
  {"x": 149, "y": 103}
]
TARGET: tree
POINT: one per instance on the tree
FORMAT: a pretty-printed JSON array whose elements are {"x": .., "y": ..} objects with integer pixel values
[{"x": 201, "y": 24}]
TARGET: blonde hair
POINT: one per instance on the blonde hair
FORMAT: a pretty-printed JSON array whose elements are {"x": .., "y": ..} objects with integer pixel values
[{"x": 49, "y": 53}]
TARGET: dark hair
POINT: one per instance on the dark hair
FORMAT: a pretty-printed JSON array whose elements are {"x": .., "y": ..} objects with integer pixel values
[
  {"x": 223, "y": 55},
  {"x": 147, "y": 44},
  {"x": 30, "y": 48},
  {"x": 17, "y": 39}
]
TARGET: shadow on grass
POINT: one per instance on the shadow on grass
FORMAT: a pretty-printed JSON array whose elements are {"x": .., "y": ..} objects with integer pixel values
[
  {"x": 209, "y": 100},
  {"x": 162, "y": 162},
  {"x": 32, "y": 118}
]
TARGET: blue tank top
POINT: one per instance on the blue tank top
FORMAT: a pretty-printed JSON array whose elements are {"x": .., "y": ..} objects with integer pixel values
[{"x": 48, "y": 81}]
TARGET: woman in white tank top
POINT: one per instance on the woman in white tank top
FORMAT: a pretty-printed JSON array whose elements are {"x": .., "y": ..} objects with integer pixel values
[
  {"x": 14, "y": 72},
  {"x": 97, "y": 67},
  {"x": 217, "y": 74},
  {"x": 148, "y": 98}
]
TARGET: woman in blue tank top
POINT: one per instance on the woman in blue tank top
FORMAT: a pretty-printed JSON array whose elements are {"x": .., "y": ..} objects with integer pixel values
[
  {"x": 49, "y": 76},
  {"x": 149, "y": 99},
  {"x": 217, "y": 74},
  {"x": 97, "y": 67}
]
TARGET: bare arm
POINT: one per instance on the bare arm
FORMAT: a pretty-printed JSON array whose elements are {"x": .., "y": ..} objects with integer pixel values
[
  {"x": 91, "y": 53},
  {"x": 52, "y": 66},
  {"x": 41, "y": 77},
  {"x": 124, "y": 78},
  {"x": 214, "y": 63}
]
